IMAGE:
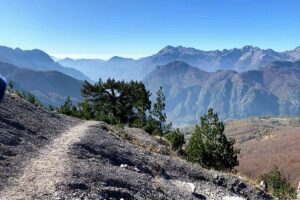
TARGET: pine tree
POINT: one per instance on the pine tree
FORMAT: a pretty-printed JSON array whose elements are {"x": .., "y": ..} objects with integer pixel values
[
  {"x": 68, "y": 108},
  {"x": 118, "y": 101},
  {"x": 210, "y": 147},
  {"x": 85, "y": 110},
  {"x": 159, "y": 108},
  {"x": 279, "y": 187}
]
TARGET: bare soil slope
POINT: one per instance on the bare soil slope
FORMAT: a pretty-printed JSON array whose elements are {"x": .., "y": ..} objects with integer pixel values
[{"x": 24, "y": 130}]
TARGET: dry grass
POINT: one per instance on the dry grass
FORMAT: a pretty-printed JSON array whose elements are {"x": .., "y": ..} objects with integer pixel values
[
  {"x": 265, "y": 142},
  {"x": 142, "y": 139}
]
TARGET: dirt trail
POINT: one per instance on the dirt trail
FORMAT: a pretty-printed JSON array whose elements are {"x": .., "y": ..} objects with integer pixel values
[{"x": 44, "y": 172}]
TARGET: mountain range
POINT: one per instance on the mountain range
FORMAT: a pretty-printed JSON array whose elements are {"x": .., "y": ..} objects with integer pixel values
[
  {"x": 37, "y": 60},
  {"x": 116, "y": 67},
  {"x": 238, "y": 59},
  {"x": 50, "y": 87},
  {"x": 271, "y": 91},
  {"x": 237, "y": 83}
]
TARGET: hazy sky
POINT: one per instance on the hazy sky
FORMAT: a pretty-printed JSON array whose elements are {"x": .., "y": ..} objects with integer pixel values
[{"x": 135, "y": 28}]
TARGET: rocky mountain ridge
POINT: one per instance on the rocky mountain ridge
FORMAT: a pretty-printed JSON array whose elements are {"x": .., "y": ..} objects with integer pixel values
[
  {"x": 238, "y": 59},
  {"x": 271, "y": 91},
  {"x": 37, "y": 60},
  {"x": 50, "y": 87}
]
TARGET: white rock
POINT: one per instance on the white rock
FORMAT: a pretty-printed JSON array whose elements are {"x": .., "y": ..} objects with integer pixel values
[
  {"x": 232, "y": 198},
  {"x": 189, "y": 187},
  {"x": 123, "y": 165},
  {"x": 136, "y": 169},
  {"x": 263, "y": 186}
]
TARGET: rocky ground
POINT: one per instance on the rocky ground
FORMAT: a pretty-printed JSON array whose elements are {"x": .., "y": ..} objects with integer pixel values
[
  {"x": 49, "y": 156},
  {"x": 24, "y": 129}
]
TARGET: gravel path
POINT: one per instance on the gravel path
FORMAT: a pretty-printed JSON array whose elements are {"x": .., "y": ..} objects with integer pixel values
[{"x": 43, "y": 173}]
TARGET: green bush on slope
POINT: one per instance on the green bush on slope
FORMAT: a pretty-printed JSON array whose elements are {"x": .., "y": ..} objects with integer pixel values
[
  {"x": 278, "y": 186},
  {"x": 210, "y": 147}
]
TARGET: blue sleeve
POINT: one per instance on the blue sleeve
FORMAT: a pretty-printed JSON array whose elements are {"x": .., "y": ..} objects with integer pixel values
[{"x": 2, "y": 87}]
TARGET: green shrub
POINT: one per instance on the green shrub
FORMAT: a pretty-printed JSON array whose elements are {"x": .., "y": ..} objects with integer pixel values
[
  {"x": 32, "y": 99},
  {"x": 149, "y": 128},
  {"x": 68, "y": 108},
  {"x": 29, "y": 98},
  {"x": 176, "y": 138},
  {"x": 85, "y": 111},
  {"x": 157, "y": 132},
  {"x": 210, "y": 147},
  {"x": 136, "y": 123},
  {"x": 106, "y": 118},
  {"x": 278, "y": 186},
  {"x": 151, "y": 124},
  {"x": 20, "y": 94}
]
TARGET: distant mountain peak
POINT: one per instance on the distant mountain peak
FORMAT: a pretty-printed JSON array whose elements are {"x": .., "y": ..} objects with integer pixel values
[
  {"x": 166, "y": 49},
  {"x": 179, "y": 50},
  {"x": 175, "y": 64},
  {"x": 297, "y": 49},
  {"x": 118, "y": 58},
  {"x": 37, "y": 60},
  {"x": 250, "y": 48}
]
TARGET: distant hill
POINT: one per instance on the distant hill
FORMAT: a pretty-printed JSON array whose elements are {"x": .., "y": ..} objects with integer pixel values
[
  {"x": 88, "y": 66},
  {"x": 116, "y": 67},
  {"x": 272, "y": 91},
  {"x": 51, "y": 87},
  {"x": 37, "y": 60},
  {"x": 238, "y": 59},
  {"x": 265, "y": 142}
]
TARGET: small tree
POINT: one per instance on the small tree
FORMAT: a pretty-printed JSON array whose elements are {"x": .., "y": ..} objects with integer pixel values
[
  {"x": 32, "y": 99},
  {"x": 68, "y": 108},
  {"x": 159, "y": 112},
  {"x": 118, "y": 101},
  {"x": 10, "y": 87},
  {"x": 85, "y": 110},
  {"x": 210, "y": 147},
  {"x": 176, "y": 138},
  {"x": 159, "y": 107},
  {"x": 278, "y": 186}
]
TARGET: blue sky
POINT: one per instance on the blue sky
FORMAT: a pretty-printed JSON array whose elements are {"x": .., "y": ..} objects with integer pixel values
[{"x": 135, "y": 28}]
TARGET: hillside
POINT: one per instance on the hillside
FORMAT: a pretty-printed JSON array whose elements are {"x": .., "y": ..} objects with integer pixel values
[
  {"x": 49, "y": 156},
  {"x": 238, "y": 59},
  {"x": 265, "y": 142},
  {"x": 36, "y": 60},
  {"x": 51, "y": 87},
  {"x": 189, "y": 91}
]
